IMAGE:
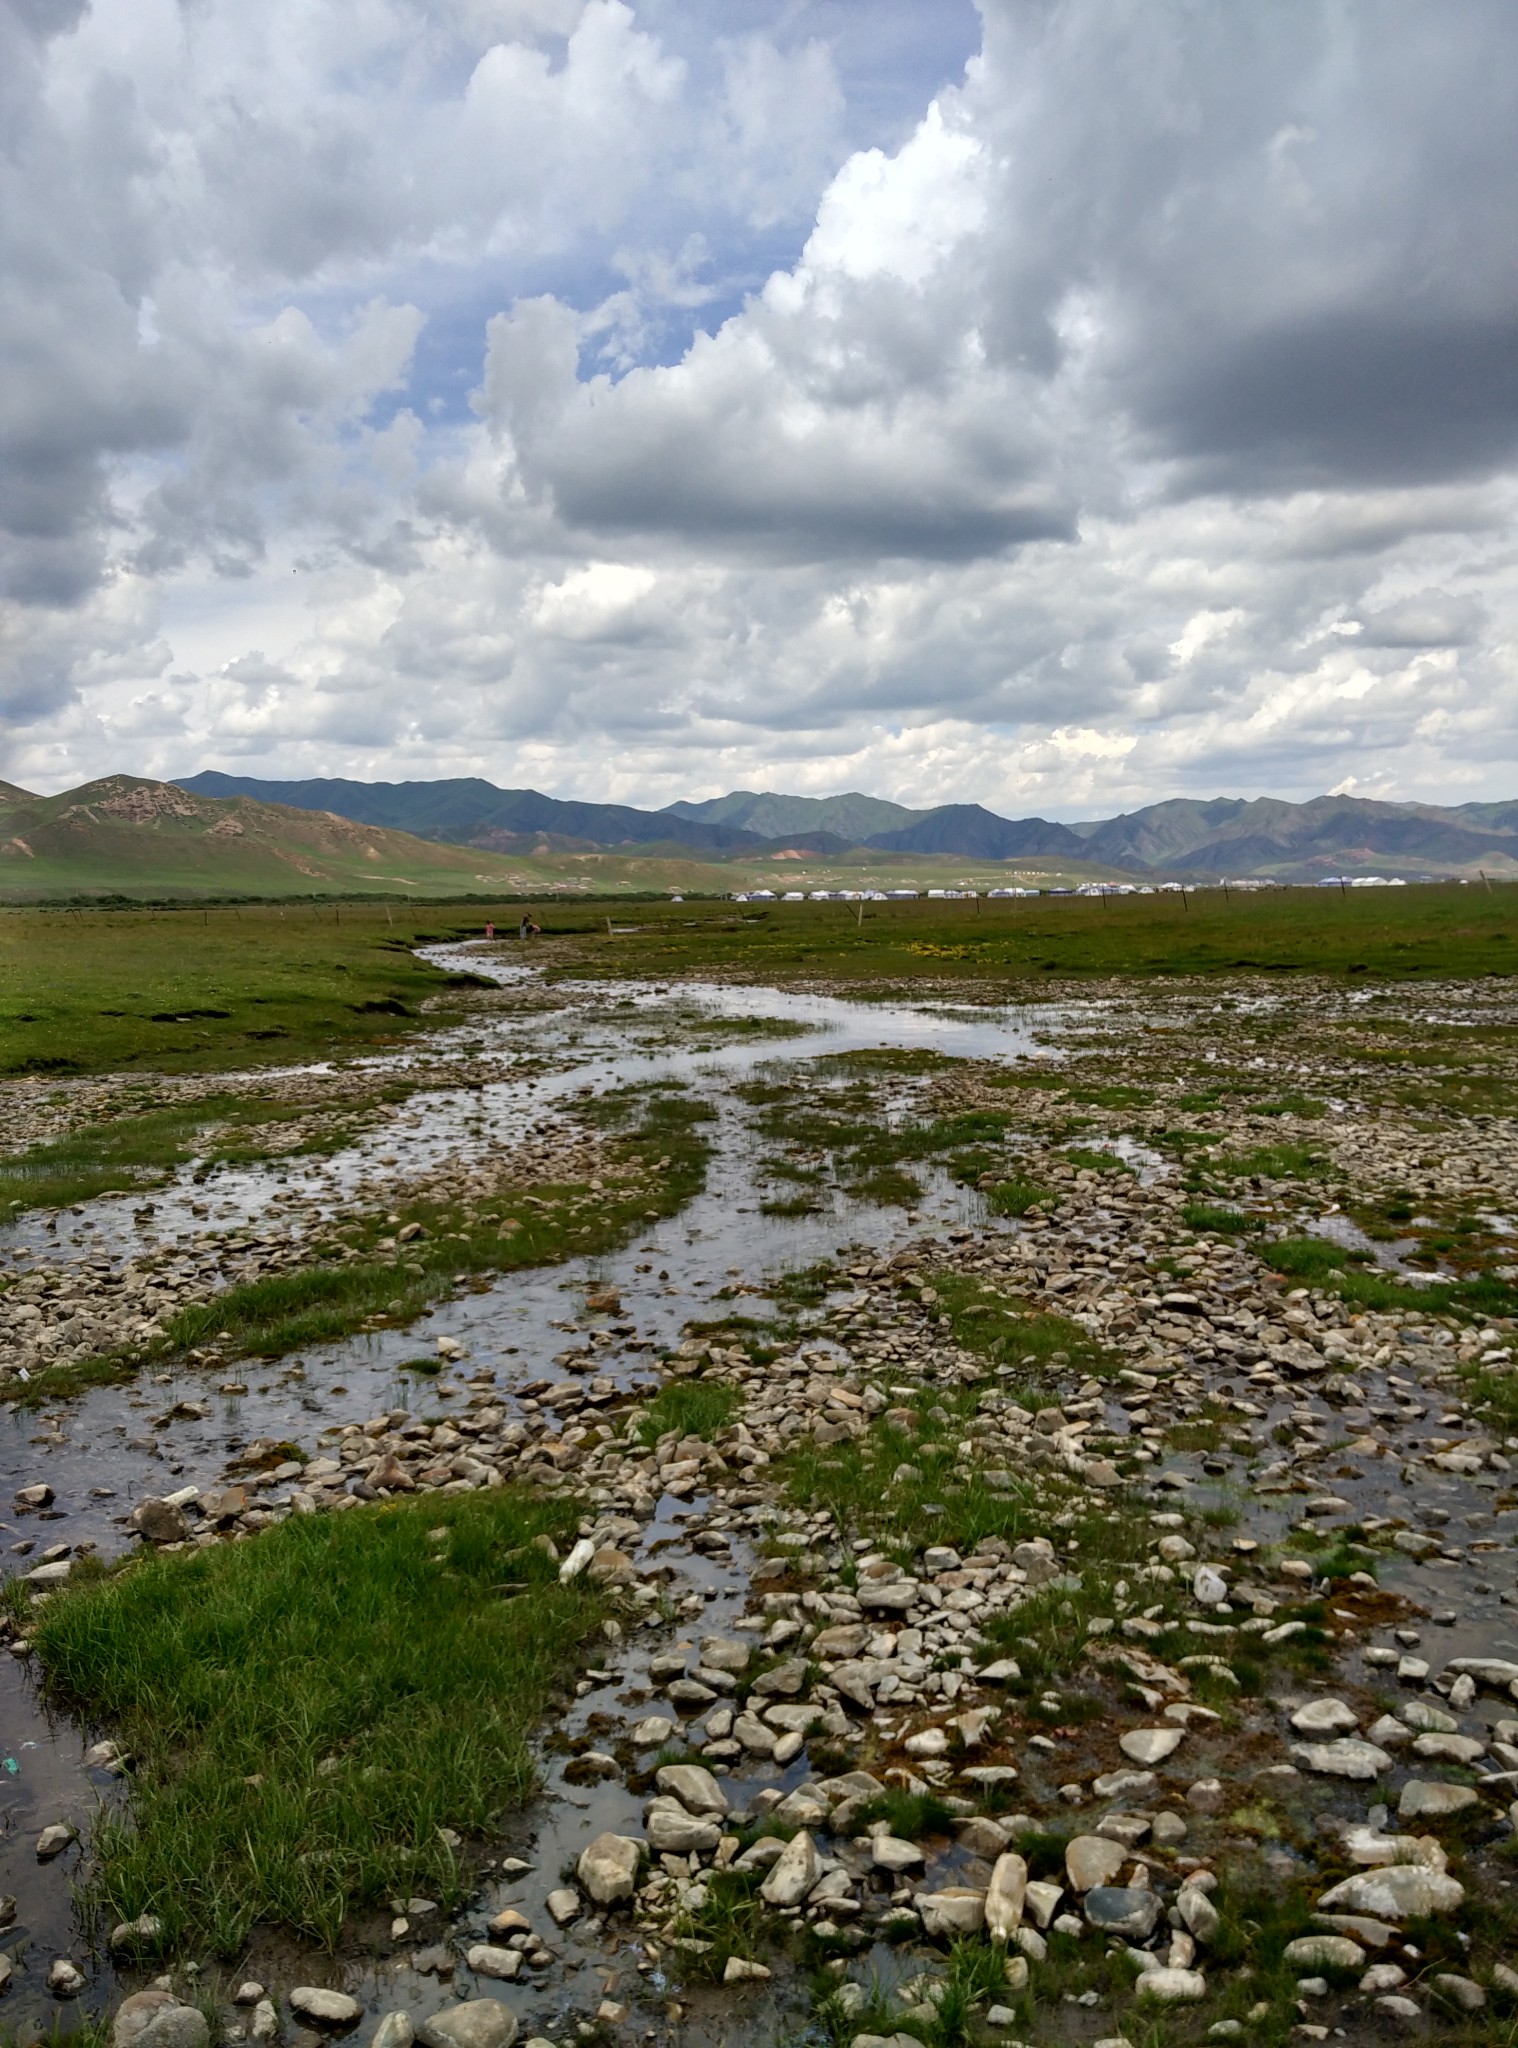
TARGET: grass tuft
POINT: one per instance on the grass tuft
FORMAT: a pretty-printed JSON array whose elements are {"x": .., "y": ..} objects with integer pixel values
[
  {"x": 310, "y": 1708},
  {"x": 689, "y": 1408}
]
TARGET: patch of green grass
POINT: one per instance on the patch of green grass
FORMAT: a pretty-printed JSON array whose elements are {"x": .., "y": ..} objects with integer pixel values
[
  {"x": 935, "y": 1500},
  {"x": 1096, "y": 1161},
  {"x": 870, "y": 1154},
  {"x": 1269, "y": 1162},
  {"x": 1208, "y": 1217},
  {"x": 1017, "y": 1197},
  {"x": 840, "y": 2020},
  {"x": 309, "y": 1708},
  {"x": 788, "y": 1169},
  {"x": 1203, "y": 1430},
  {"x": 1116, "y": 1096},
  {"x": 914, "y": 1816},
  {"x": 732, "y": 1921},
  {"x": 1043, "y": 1850},
  {"x": 1004, "y": 1328},
  {"x": 690, "y": 1408},
  {"x": 1290, "y": 1104},
  {"x": 1335, "y": 1554},
  {"x": 968, "y": 1167},
  {"x": 1314, "y": 1262},
  {"x": 1493, "y": 1392},
  {"x": 886, "y": 1059},
  {"x": 887, "y": 1186},
  {"x": 1047, "y": 1633},
  {"x": 974, "y": 1975},
  {"x": 972, "y": 1127},
  {"x": 805, "y": 1286}
]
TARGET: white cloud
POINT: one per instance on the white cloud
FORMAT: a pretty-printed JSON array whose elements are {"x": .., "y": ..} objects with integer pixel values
[{"x": 1142, "y": 420}]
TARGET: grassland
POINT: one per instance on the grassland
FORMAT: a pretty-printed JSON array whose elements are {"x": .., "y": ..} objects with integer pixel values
[
  {"x": 1438, "y": 929},
  {"x": 175, "y": 991},
  {"x": 308, "y": 1710}
]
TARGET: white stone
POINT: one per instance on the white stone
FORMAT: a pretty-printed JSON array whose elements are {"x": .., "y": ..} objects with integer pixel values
[
  {"x": 1383, "y": 1977},
  {"x": 1460, "y": 1991},
  {"x": 1042, "y": 1900},
  {"x": 695, "y": 1788},
  {"x": 1092, "y": 1860},
  {"x": 1401, "y": 1891},
  {"x": 1424, "y": 1799},
  {"x": 1324, "y": 1952},
  {"x": 887, "y": 1853},
  {"x": 1448, "y": 1749},
  {"x": 1150, "y": 1745},
  {"x": 1347, "y": 1758},
  {"x": 326, "y": 2008},
  {"x": 156, "y": 2019},
  {"x": 741, "y": 1970},
  {"x": 1005, "y": 1896},
  {"x": 958, "y": 1909},
  {"x": 478, "y": 2023},
  {"x": 793, "y": 1873},
  {"x": 1198, "y": 1914},
  {"x": 608, "y": 1868},
  {"x": 1494, "y": 1671},
  {"x": 1172, "y": 1987},
  {"x": 487, "y": 1961},
  {"x": 1325, "y": 1717}
]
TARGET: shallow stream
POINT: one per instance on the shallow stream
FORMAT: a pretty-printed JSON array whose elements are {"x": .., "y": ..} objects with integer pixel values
[{"x": 116, "y": 1445}]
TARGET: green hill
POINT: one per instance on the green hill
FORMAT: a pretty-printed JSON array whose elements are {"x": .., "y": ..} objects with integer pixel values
[
  {"x": 852, "y": 816},
  {"x": 128, "y": 837}
]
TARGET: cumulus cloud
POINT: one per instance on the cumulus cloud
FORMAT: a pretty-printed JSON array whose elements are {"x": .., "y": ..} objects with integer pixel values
[{"x": 594, "y": 392}]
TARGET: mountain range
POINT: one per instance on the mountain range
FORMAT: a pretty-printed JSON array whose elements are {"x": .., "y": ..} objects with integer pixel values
[{"x": 1264, "y": 837}]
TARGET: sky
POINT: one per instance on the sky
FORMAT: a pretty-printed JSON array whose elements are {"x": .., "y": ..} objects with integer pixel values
[{"x": 1053, "y": 404}]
